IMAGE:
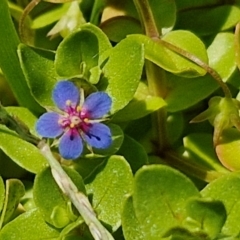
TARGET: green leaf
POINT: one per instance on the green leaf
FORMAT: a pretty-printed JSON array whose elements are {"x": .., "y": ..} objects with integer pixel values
[
  {"x": 108, "y": 187},
  {"x": 175, "y": 126},
  {"x": 130, "y": 225},
  {"x": 25, "y": 116},
  {"x": 2, "y": 193},
  {"x": 141, "y": 105},
  {"x": 185, "y": 4},
  {"x": 9, "y": 62},
  {"x": 49, "y": 198},
  {"x": 191, "y": 43},
  {"x": 210, "y": 21},
  {"x": 103, "y": 41},
  {"x": 115, "y": 27},
  {"x": 134, "y": 153},
  {"x": 221, "y": 55},
  {"x": 185, "y": 92},
  {"x": 209, "y": 216},
  {"x": 159, "y": 197},
  {"x": 164, "y": 14},
  {"x": 21, "y": 152},
  {"x": 29, "y": 225},
  {"x": 122, "y": 72},
  {"x": 199, "y": 146},
  {"x": 227, "y": 190},
  {"x": 48, "y": 17},
  {"x": 38, "y": 68},
  {"x": 170, "y": 61},
  {"x": 79, "y": 52},
  {"x": 228, "y": 150},
  {"x": 14, "y": 192}
]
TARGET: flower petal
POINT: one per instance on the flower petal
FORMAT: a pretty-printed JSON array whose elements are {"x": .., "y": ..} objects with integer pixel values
[
  {"x": 47, "y": 125},
  {"x": 70, "y": 146},
  {"x": 96, "y": 105},
  {"x": 64, "y": 91},
  {"x": 98, "y": 136}
]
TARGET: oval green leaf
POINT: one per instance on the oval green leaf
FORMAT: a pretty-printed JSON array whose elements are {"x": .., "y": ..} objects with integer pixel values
[
  {"x": 122, "y": 72},
  {"x": 157, "y": 53},
  {"x": 29, "y": 225},
  {"x": 14, "y": 192},
  {"x": 108, "y": 186},
  {"x": 159, "y": 198},
  {"x": 227, "y": 190},
  {"x": 228, "y": 150},
  {"x": 38, "y": 68}
]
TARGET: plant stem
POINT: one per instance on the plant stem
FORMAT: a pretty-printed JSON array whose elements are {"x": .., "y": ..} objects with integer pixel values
[
  {"x": 79, "y": 200},
  {"x": 155, "y": 76},
  {"x": 146, "y": 17},
  {"x": 178, "y": 162},
  {"x": 199, "y": 62},
  {"x": 22, "y": 19}
]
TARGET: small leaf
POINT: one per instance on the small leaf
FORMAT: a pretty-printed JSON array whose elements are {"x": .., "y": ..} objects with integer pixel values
[
  {"x": 159, "y": 198},
  {"x": 21, "y": 152},
  {"x": 228, "y": 150},
  {"x": 48, "y": 17},
  {"x": 141, "y": 105},
  {"x": 164, "y": 13},
  {"x": 199, "y": 146},
  {"x": 227, "y": 190},
  {"x": 49, "y": 198},
  {"x": 215, "y": 19},
  {"x": 115, "y": 28},
  {"x": 77, "y": 54},
  {"x": 38, "y": 68},
  {"x": 209, "y": 215},
  {"x": 29, "y": 225},
  {"x": 25, "y": 116},
  {"x": 185, "y": 92},
  {"x": 221, "y": 55},
  {"x": 108, "y": 186},
  {"x": 122, "y": 72},
  {"x": 14, "y": 192}
]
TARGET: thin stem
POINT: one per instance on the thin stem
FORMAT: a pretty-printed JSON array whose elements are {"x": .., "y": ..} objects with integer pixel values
[
  {"x": 176, "y": 161},
  {"x": 199, "y": 62},
  {"x": 26, "y": 12},
  {"x": 79, "y": 200},
  {"x": 157, "y": 87},
  {"x": 155, "y": 76},
  {"x": 147, "y": 18}
]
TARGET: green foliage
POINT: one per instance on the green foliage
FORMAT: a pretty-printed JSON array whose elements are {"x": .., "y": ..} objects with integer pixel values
[{"x": 167, "y": 66}]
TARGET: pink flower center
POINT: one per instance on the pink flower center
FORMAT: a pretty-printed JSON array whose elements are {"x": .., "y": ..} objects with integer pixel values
[{"x": 74, "y": 118}]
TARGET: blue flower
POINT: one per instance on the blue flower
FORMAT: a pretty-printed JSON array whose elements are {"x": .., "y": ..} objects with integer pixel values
[{"x": 77, "y": 121}]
